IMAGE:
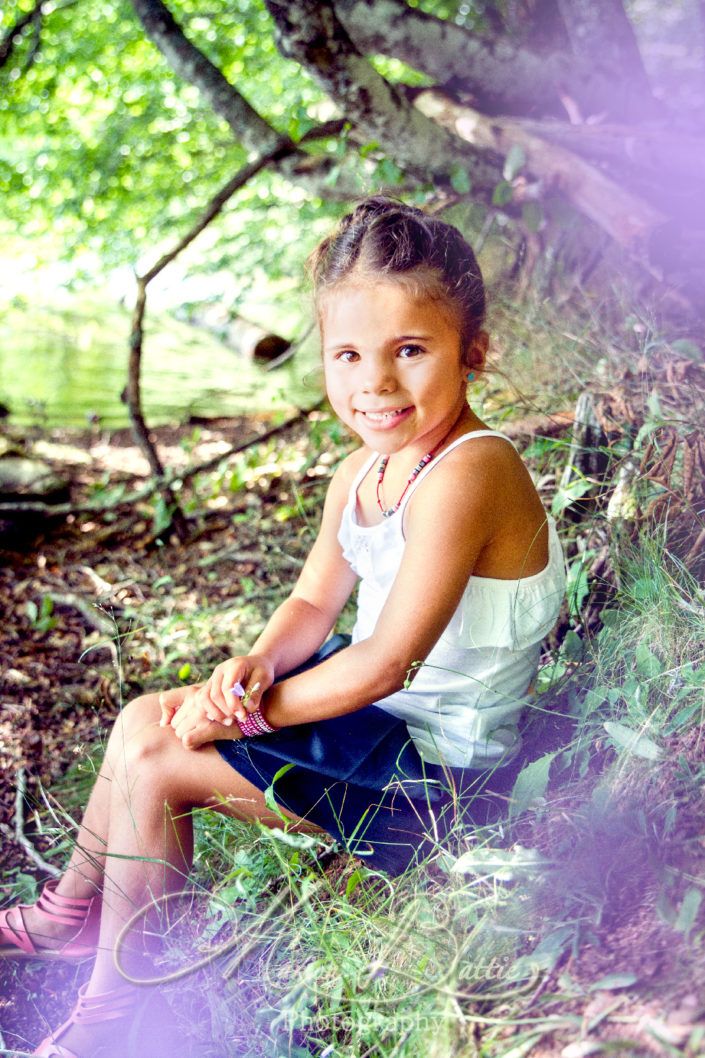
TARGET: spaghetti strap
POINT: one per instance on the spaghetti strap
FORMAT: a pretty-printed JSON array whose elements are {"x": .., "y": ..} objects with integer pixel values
[
  {"x": 434, "y": 462},
  {"x": 360, "y": 476}
]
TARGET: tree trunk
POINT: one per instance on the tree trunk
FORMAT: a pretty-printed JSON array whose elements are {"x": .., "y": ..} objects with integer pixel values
[
  {"x": 652, "y": 238},
  {"x": 498, "y": 77},
  {"x": 311, "y": 34}
]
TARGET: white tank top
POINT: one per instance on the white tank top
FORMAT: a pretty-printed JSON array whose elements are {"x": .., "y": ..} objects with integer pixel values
[{"x": 463, "y": 706}]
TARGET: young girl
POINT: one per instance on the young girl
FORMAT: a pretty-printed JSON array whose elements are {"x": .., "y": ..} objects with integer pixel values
[{"x": 460, "y": 573}]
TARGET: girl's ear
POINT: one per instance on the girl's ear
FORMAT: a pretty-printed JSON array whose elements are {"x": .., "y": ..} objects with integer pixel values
[{"x": 476, "y": 353}]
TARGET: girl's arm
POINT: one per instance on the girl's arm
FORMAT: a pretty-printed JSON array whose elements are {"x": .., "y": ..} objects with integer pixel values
[
  {"x": 303, "y": 621},
  {"x": 447, "y": 527},
  {"x": 293, "y": 633}
]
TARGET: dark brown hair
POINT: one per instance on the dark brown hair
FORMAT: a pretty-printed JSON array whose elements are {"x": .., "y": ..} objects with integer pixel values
[{"x": 384, "y": 237}]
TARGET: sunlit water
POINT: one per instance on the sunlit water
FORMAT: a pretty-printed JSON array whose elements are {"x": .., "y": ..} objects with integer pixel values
[{"x": 64, "y": 364}]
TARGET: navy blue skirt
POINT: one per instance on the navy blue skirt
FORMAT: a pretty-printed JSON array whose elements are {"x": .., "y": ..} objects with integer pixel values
[{"x": 360, "y": 777}]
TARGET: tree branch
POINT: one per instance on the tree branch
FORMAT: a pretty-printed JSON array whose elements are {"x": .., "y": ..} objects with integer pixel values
[
  {"x": 311, "y": 34},
  {"x": 8, "y": 43},
  {"x": 190, "y": 63},
  {"x": 628, "y": 220},
  {"x": 248, "y": 127},
  {"x": 499, "y": 77},
  {"x": 600, "y": 31}
]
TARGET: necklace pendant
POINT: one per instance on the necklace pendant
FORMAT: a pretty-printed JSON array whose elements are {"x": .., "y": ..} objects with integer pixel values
[{"x": 389, "y": 512}]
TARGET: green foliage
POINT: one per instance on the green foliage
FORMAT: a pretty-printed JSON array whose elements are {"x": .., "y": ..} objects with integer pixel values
[
  {"x": 111, "y": 149},
  {"x": 42, "y": 617}
]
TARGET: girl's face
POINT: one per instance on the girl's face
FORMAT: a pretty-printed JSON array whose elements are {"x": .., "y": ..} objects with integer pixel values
[{"x": 393, "y": 365}]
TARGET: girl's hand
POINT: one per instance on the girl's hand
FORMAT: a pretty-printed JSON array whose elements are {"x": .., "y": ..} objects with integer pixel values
[
  {"x": 172, "y": 700},
  {"x": 191, "y": 722},
  {"x": 236, "y": 687}
]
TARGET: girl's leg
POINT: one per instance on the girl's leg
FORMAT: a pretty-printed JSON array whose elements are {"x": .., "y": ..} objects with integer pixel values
[
  {"x": 154, "y": 784},
  {"x": 83, "y": 875}
]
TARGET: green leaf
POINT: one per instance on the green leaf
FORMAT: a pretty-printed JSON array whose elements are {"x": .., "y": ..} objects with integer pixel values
[
  {"x": 573, "y": 646},
  {"x": 388, "y": 172},
  {"x": 368, "y": 148},
  {"x": 514, "y": 161},
  {"x": 613, "y": 981},
  {"x": 647, "y": 664},
  {"x": 530, "y": 785},
  {"x": 353, "y": 882},
  {"x": 632, "y": 741},
  {"x": 545, "y": 955},
  {"x": 532, "y": 216},
  {"x": 687, "y": 348},
  {"x": 688, "y": 911},
  {"x": 682, "y": 717},
  {"x": 185, "y": 671},
  {"x": 161, "y": 518},
  {"x": 32, "y": 611},
  {"x": 564, "y": 497},
  {"x": 502, "y": 194},
  {"x": 577, "y": 586},
  {"x": 460, "y": 179},
  {"x": 503, "y": 864},
  {"x": 269, "y": 792}
]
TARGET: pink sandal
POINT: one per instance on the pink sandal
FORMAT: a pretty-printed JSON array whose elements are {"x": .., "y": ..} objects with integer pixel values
[
  {"x": 89, "y": 1010},
  {"x": 82, "y": 913},
  {"x": 148, "y": 1028}
]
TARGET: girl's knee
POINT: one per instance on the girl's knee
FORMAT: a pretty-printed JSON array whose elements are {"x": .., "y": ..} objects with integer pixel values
[
  {"x": 138, "y": 713},
  {"x": 137, "y": 742},
  {"x": 148, "y": 748}
]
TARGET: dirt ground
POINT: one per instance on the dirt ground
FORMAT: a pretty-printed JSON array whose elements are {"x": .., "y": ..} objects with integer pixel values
[{"x": 132, "y": 612}]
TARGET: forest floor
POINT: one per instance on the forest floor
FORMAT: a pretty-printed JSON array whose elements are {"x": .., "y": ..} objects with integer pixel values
[{"x": 96, "y": 608}]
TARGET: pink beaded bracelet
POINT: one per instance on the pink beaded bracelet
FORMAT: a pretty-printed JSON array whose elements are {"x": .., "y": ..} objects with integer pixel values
[{"x": 255, "y": 724}]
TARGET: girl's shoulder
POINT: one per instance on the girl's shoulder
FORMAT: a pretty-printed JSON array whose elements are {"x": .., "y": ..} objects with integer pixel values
[
  {"x": 345, "y": 476},
  {"x": 350, "y": 467},
  {"x": 484, "y": 483},
  {"x": 479, "y": 458}
]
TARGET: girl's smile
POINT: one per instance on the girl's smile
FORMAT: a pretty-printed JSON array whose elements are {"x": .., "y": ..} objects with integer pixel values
[{"x": 393, "y": 364}]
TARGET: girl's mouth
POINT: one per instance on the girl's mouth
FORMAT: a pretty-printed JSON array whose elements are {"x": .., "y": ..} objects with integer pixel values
[{"x": 385, "y": 420}]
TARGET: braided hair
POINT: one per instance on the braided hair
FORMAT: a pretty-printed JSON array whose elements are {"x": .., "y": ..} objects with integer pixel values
[{"x": 385, "y": 238}]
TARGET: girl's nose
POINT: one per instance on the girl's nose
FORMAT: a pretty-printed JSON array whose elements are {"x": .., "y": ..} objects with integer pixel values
[{"x": 379, "y": 379}]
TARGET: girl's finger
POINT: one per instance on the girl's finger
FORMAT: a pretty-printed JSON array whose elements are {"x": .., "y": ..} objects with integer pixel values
[
  {"x": 167, "y": 707},
  {"x": 208, "y": 706},
  {"x": 230, "y": 691},
  {"x": 253, "y": 697}
]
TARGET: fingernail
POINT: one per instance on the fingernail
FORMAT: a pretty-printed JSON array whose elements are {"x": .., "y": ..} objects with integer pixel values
[{"x": 228, "y": 721}]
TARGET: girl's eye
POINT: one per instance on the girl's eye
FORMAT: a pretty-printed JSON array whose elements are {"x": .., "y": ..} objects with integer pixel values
[
  {"x": 407, "y": 352},
  {"x": 348, "y": 356}
]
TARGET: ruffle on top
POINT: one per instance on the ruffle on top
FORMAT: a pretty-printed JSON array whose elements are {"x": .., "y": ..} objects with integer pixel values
[{"x": 492, "y": 612}]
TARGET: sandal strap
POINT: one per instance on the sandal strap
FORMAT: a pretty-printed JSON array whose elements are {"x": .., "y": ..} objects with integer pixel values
[
  {"x": 104, "y": 1006},
  {"x": 89, "y": 1010},
  {"x": 69, "y": 910},
  {"x": 48, "y": 1049},
  {"x": 18, "y": 938}
]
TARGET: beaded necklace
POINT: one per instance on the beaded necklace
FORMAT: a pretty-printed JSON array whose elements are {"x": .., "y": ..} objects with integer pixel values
[{"x": 424, "y": 461}]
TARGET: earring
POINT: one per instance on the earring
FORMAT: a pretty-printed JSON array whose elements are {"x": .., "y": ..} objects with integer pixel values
[{"x": 471, "y": 375}]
